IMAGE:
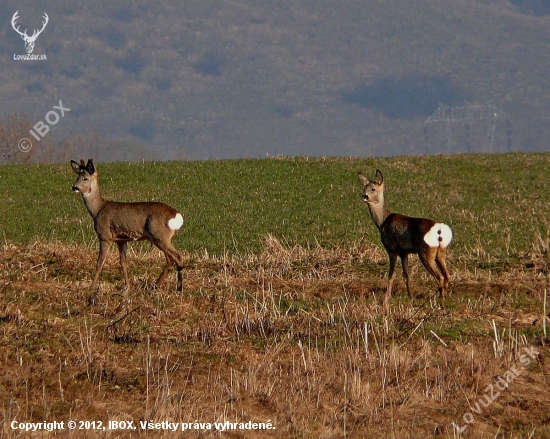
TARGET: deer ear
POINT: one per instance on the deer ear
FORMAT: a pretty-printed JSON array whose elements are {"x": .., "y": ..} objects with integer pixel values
[
  {"x": 364, "y": 180},
  {"x": 379, "y": 177},
  {"x": 90, "y": 168},
  {"x": 76, "y": 167}
]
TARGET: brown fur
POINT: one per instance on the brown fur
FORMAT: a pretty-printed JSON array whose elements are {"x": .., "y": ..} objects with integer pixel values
[
  {"x": 403, "y": 235},
  {"x": 125, "y": 222}
]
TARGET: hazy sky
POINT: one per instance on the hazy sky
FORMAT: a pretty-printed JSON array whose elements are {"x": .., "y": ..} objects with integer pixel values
[{"x": 217, "y": 79}]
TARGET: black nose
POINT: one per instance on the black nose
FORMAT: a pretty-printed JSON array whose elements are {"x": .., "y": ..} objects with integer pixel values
[
  {"x": 365, "y": 197},
  {"x": 75, "y": 189}
]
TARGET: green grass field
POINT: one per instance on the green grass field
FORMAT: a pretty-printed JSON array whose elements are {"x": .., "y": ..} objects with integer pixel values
[
  {"x": 281, "y": 318},
  {"x": 497, "y": 203}
]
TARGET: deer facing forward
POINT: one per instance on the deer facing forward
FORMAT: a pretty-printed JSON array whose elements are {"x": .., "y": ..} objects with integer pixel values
[
  {"x": 402, "y": 235},
  {"x": 125, "y": 222}
]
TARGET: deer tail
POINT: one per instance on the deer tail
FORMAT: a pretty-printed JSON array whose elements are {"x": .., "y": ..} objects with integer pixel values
[{"x": 440, "y": 235}]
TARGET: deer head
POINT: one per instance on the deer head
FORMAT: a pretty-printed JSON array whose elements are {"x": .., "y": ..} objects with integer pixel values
[
  {"x": 87, "y": 176},
  {"x": 373, "y": 191},
  {"x": 29, "y": 40}
]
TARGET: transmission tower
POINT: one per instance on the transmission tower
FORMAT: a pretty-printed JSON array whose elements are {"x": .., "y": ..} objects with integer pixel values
[{"x": 450, "y": 115}]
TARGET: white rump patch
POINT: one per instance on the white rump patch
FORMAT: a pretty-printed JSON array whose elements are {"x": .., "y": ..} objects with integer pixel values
[
  {"x": 176, "y": 222},
  {"x": 439, "y": 235}
]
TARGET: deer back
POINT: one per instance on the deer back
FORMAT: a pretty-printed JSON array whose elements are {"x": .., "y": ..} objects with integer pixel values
[
  {"x": 136, "y": 221},
  {"x": 405, "y": 234}
]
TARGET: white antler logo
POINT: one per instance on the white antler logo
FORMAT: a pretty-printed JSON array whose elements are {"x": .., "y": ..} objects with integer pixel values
[{"x": 29, "y": 40}]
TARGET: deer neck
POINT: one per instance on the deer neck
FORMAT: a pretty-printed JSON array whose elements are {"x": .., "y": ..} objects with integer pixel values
[
  {"x": 379, "y": 212},
  {"x": 94, "y": 201}
]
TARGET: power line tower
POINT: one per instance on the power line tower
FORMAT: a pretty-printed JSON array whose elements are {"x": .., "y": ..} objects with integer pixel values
[{"x": 450, "y": 116}]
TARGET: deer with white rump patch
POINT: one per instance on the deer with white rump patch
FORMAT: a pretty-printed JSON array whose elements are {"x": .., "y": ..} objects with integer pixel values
[
  {"x": 125, "y": 222},
  {"x": 402, "y": 235}
]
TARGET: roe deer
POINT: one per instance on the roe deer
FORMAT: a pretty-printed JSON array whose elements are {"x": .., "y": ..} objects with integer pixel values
[
  {"x": 403, "y": 235},
  {"x": 125, "y": 222}
]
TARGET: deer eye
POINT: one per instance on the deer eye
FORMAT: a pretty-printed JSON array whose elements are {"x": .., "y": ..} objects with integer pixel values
[
  {"x": 85, "y": 179},
  {"x": 372, "y": 189}
]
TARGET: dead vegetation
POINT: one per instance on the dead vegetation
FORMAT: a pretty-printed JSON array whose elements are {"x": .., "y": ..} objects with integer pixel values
[{"x": 294, "y": 336}]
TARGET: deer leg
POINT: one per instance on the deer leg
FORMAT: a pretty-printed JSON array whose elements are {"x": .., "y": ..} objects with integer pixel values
[
  {"x": 172, "y": 256},
  {"x": 440, "y": 261},
  {"x": 122, "y": 247},
  {"x": 178, "y": 259},
  {"x": 167, "y": 267},
  {"x": 429, "y": 262},
  {"x": 391, "y": 273},
  {"x": 103, "y": 251},
  {"x": 179, "y": 286},
  {"x": 405, "y": 265}
]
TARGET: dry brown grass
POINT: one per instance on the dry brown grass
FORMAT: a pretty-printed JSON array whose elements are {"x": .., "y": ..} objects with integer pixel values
[{"x": 291, "y": 335}]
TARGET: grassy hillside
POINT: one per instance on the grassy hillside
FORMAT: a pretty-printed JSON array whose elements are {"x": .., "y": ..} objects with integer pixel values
[
  {"x": 281, "y": 319},
  {"x": 494, "y": 203}
]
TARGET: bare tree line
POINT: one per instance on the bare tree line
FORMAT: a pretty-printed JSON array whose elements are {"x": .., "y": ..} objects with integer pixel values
[{"x": 14, "y": 128}]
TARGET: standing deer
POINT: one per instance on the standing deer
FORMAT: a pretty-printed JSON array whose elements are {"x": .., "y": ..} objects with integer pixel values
[
  {"x": 403, "y": 235},
  {"x": 125, "y": 222}
]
